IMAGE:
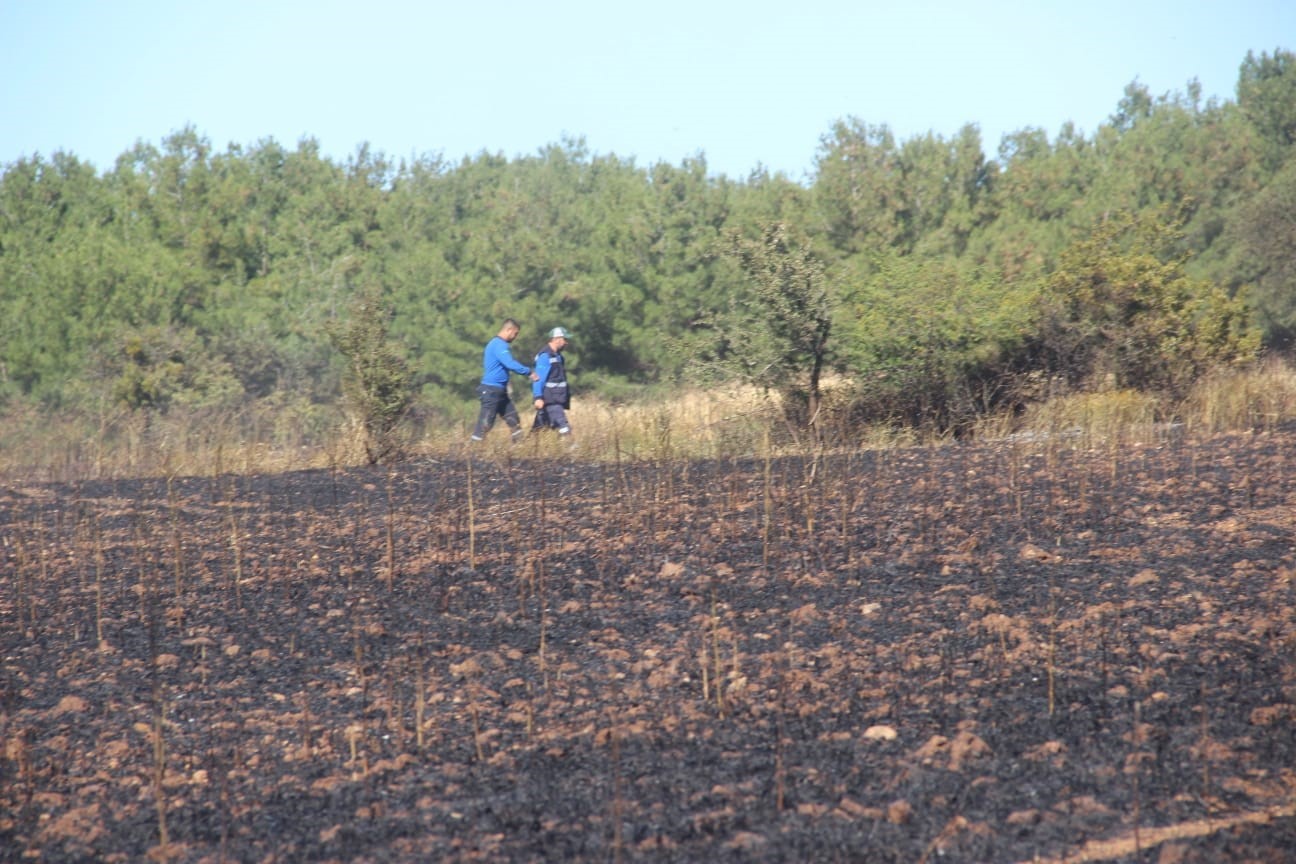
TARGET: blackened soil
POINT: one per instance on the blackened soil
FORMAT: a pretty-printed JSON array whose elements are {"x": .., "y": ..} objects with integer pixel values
[{"x": 1018, "y": 651}]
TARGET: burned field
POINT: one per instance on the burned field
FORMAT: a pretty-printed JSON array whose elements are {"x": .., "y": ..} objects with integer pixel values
[{"x": 1008, "y": 651}]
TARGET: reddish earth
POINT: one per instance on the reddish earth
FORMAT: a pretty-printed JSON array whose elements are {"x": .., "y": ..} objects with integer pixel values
[{"x": 985, "y": 652}]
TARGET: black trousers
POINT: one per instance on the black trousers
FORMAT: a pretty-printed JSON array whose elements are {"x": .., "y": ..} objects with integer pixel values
[
  {"x": 495, "y": 402},
  {"x": 551, "y": 416}
]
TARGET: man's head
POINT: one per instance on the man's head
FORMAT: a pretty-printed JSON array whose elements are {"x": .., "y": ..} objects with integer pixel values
[
  {"x": 558, "y": 338},
  {"x": 509, "y": 330}
]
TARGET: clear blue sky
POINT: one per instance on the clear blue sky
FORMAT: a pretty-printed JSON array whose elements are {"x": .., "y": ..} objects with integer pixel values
[{"x": 742, "y": 83}]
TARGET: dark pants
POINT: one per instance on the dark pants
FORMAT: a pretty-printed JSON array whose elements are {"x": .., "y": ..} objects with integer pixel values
[
  {"x": 552, "y": 416},
  {"x": 495, "y": 402}
]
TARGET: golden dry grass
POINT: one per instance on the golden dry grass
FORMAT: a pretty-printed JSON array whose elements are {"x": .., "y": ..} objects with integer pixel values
[
  {"x": 1230, "y": 399},
  {"x": 711, "y": 423}
]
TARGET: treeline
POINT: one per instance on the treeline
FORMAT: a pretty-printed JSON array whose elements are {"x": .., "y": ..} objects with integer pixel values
[{"x": 930, "y": 282}]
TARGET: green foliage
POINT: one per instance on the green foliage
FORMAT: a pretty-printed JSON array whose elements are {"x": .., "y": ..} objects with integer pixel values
[
  {"x": 377, "y": 385},
  {"x": 47, "y": 254},
  {"x": 1174, "y": 153},
  {"x": 1264, "y": 230},
  {"x": 1267, "y": 96},
  {"x": 787, "y": 325},
  {"x": 236, "y": 261},
  {"x": 858, "y": 187},
  {"x": 924, "y": 194},
  {"x": 155, "y": 368},
  {"x": 929, "y": 347},
  {"x": 1122, "y": 313}
]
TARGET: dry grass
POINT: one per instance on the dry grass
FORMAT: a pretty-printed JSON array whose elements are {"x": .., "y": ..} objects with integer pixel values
[
  {"x": 67, "y": 447},
  {"x": 695, "y": 424},
  {"x": 1228, "y": 400},
  {"x": 1115, "y": 417},
  {"x": 701, "y": 424},
  {"x": 1231, "y": 399}
]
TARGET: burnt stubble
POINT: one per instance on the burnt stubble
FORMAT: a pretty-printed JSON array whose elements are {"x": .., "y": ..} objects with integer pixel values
[{"x": 999, "y": 651}]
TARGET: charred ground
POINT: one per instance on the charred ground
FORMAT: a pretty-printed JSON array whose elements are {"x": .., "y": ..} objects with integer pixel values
[{"x": 1008, "y": 651}]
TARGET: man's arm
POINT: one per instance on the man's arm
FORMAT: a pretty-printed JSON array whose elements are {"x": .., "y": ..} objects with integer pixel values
[
  {"x": 541, "y": 375},
  {"x": 504, "y": 357}
]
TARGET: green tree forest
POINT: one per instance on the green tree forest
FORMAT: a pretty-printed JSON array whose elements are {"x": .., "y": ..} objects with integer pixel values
[{"x": 931, "y": 282}]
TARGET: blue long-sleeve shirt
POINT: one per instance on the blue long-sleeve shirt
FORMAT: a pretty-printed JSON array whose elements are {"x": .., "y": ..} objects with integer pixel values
[{"x": 497, "y": 362}]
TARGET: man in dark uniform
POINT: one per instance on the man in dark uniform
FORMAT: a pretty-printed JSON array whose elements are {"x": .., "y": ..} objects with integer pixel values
[{"x": 552, "y": 396}]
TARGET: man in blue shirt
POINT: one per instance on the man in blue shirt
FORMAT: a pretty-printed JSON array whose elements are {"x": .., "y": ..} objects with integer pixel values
[
  {"x": 549, "y": 388},
  {"x": 497, "y": 363}
]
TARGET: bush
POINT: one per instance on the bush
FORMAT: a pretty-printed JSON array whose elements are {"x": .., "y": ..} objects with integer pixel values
[{"x": 378, "y": 386}]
